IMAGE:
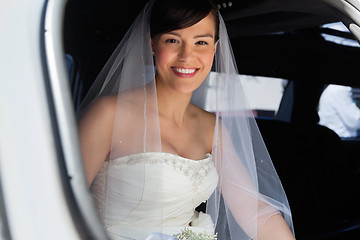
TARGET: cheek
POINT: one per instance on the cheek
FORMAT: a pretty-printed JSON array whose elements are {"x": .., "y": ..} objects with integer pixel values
[
  {"x": 162, "y": 57},
  {"x": 208, "y": 60}
]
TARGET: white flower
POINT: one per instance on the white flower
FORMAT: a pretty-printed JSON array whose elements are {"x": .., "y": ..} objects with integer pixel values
[{"x": 187, "y": 234}]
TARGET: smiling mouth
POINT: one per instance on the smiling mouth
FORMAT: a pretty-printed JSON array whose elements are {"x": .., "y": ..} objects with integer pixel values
[{"x": 184, "y": 72}]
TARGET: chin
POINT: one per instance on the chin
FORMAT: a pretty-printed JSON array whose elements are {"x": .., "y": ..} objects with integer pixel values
[{"x": 186, "y": 88}]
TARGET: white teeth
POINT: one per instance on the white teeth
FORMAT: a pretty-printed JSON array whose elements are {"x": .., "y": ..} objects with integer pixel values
[{"x": 184, "y": 70}]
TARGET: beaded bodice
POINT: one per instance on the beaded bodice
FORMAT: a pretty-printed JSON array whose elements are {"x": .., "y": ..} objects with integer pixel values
[
  {"x": 196, "y": 170},
  {"x": 152, "y": 189}
]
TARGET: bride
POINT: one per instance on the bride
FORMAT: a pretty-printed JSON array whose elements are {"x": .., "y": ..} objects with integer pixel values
[{"x": 152, "y": 154}]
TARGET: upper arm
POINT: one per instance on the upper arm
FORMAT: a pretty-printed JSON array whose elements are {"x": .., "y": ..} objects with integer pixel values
[
  {"x": 95, "y": 132},
  {"x": 238, "y": 184}
]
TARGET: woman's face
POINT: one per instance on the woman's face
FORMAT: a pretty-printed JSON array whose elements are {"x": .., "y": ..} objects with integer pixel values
[{"x": 184, "y": 57}]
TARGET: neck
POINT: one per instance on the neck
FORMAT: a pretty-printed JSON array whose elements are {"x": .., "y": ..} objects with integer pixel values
[{"x": 172, "y": 104}]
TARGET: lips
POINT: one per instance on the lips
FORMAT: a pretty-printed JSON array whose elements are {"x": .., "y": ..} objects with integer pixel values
[{"x": 184, "y": 72}]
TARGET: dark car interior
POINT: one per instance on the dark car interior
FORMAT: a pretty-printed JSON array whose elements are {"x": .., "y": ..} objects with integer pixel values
[{"x": 319, "y": 170}]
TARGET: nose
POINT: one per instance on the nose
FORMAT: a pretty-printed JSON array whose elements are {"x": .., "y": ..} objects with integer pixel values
[{"x": 185, "y": 52}]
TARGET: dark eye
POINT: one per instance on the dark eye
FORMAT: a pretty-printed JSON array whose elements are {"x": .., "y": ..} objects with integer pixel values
[
  {"x": 201, "y": 43},
  {"x": 171, "y": 41}
]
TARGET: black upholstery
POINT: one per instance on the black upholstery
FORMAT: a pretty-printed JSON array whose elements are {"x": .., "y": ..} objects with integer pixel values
[{"x": 312, "y": 167}]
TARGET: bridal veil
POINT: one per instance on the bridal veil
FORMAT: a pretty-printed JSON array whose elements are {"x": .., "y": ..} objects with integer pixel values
[{"x": 249, "y": 191}]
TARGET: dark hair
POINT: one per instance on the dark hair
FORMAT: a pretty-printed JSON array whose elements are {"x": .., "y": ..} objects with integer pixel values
[{"x": 169, "y": 15}]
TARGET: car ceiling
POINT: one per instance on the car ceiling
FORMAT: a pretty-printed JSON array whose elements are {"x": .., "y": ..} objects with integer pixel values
[
  {"x": 253, "y": 17},
  {"x": 243, "y": 17},
  {"x": 93, "y": 28}
]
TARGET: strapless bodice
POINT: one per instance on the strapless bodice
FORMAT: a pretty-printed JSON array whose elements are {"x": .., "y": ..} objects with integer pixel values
[{"x": 154, "y": 192}]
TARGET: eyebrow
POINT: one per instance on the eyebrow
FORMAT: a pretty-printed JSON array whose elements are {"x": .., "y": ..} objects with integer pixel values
[
  {"x": 204, "y": 35},
  {"x": 197, "y": 36}
]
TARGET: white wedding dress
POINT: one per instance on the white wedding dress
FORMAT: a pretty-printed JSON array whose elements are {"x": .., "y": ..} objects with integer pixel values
[{"x": 185, "y": 184}]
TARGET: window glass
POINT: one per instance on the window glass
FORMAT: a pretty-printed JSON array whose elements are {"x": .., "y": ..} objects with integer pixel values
[
  {"x": 339, "y": 110},
  {"x": 263, "y": 93},
  {"x": 341, "y": 35}
]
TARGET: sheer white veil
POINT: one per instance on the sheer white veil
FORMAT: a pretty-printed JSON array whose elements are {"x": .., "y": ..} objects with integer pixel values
[{"x": 249, "y": 191}]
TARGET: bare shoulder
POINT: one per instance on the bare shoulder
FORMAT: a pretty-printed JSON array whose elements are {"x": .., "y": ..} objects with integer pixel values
[
  {"x": 101, "y": 108},
  {"x": 205, "y": 122},
  {"x": 106, "y": 103},
  {"x": 131, "y": 98},
  {"x": 105, "y": 106},
  {"x": 204, "y": 116},
  {"x": 97, "y": 121}
]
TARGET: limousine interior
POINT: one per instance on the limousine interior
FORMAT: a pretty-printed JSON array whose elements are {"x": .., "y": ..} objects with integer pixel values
[{"x": 52, "y": 50}]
